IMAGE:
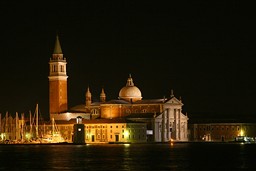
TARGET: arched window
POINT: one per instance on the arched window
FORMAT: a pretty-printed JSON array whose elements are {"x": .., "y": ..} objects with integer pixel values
[{"x": 94, "y": 111}]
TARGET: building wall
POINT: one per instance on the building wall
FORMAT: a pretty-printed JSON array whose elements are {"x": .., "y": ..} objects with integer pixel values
[
  {"x": 96, "y": 133},
  {"x": 116, "y": 111},
  {"x": 221, "y": 131},
  {"x": 115, "y": 133},
  {"x": 106, "y": 132},
  {"x": 58, "y": 96},
  {"x": 176, "y": 123}
]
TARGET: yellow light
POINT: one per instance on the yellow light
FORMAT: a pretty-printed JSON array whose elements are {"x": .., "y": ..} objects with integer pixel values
[
  {"x": 241, "y": 133},
  {"x": 2, "y": 135},
  {"x": 28, "y": 136},
  {"x": 126, "y": 134}
]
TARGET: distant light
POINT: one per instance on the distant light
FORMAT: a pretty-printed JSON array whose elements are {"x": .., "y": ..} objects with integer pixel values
[
  {"x": 2, "y": 135},
  {"x": 28, "y": 135},
  {"x": 126, "y": 133},
  {"x": 241, "y": 133},
  {"x": 149, "y": 132}
]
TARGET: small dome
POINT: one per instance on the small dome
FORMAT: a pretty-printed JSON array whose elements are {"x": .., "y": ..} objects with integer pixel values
[{"x": 130, "y": 92}]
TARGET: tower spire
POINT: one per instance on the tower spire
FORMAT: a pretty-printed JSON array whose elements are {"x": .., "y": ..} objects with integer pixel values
[
  {"x": 88, "y": 97},
  {"x": 102, "y": 95},
  {"x": 57, "y": 48}
]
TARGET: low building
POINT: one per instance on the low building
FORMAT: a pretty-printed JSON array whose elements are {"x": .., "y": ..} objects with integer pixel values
[{"x": 221, "y": 130}]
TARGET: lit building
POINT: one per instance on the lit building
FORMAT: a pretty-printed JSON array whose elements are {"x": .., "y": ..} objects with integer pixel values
[
  {"x": 155, "y": 120},
  {"x": 57, "y": 81},
  {"x": 221, "y": 130}
]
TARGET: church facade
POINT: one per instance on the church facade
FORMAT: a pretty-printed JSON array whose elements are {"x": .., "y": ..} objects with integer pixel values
[{"x": 130, "y": 118}]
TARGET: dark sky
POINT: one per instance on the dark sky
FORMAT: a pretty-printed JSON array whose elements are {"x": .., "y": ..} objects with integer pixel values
[{"x": 204, "y": 51}]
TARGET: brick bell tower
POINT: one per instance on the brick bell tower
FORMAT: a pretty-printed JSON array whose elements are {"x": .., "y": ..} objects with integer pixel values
[{"x": 57, "y": 81}]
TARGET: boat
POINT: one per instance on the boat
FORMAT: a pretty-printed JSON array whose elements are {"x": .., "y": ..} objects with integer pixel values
[
  {"x": 54, "y": 136},
  {"x": 243, "y": 139},
  {"x": 24, "y": 134}
]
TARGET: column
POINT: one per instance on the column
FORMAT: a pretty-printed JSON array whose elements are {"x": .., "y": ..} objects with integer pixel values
[
  {"x": 168, "y": 124},
  {"x": 179, "y": 121},
  {"x": 163, "y": 127}
]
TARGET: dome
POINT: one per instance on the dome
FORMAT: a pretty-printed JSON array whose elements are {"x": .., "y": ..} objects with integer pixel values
[{"x": 130, "y": 92}]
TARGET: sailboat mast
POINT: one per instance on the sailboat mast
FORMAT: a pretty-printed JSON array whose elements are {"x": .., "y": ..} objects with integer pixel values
[
  {"x": 22, "y": 127},
  {"x": 30, "y": 122},
  {"x": 52, "y": 126},
  {"x": 6, "y": 126},
  {"x": 1, "y": 126},
  {"x": 44, "y": 128},
  {"x": 36, "y": 120},
  {"x": 17, "y": 126}
]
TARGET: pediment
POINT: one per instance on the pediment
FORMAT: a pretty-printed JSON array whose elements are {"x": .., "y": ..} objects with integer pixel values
[{"x": 174, "y": 101}]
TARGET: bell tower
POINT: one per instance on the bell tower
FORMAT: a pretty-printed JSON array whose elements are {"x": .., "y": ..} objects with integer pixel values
[
  {"x": 57, "y": 81},
  {"x": 88, "y": 97}
]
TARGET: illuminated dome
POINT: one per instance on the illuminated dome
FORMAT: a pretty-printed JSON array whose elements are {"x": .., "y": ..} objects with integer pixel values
[{"x": 130, "y": 92}]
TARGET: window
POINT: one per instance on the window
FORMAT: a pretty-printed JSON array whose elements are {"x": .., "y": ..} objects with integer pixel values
[{"x": 94, "y": 111}]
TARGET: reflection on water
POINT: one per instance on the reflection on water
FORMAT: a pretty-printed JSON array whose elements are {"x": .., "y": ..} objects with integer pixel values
[{"x": 181, "y": 156}]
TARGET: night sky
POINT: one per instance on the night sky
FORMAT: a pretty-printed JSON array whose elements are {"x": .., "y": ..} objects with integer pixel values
[{"x": 204, "y": 51}]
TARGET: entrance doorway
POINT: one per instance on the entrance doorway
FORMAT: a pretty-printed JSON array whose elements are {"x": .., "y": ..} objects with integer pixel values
[{"x": 117, "y": 138}]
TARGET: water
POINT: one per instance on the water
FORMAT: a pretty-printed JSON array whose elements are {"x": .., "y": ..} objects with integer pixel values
[{"x": 133, "y": 157}]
